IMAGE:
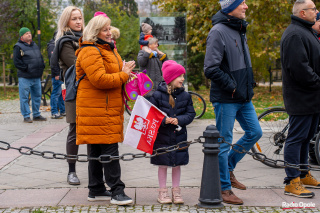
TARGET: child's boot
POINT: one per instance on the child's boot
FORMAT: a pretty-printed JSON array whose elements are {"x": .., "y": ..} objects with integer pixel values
[
  {"x": 176, "y": 196},
  {"x": 163, "y": 196}
]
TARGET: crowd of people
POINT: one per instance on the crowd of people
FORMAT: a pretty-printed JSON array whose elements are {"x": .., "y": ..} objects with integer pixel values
[{"x": 96, "y": 116}]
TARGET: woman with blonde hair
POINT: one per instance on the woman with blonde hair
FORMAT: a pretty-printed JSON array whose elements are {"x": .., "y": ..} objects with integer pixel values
[
  {"x": 100, "y": 108},
  {"x": 70, "y": 28}
]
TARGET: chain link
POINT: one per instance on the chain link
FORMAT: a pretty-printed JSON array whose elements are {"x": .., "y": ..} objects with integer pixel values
[
  {"x": 24, "y": 150},
  {"x": 263, "y": 158}
]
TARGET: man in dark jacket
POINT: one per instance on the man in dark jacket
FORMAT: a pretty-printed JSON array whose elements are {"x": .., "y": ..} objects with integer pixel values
[
  {"x": 28, "y": 60},
  {"x": 56, "y": 100},
  {"x": 228, "y": 65},
  {"x": 301, "y": 91}
]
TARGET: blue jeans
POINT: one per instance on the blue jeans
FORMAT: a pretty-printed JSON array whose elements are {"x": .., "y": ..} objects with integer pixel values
[
  {"x": 56, "y": 100},
  {"x": 226, "y": 114},
  {"x": 296, "y": 149},
  {"x": 30, "y": 86}
]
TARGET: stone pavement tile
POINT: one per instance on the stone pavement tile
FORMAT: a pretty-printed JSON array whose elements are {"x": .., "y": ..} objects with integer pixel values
[
  {"x": 146, "y": 182},
  {"x": 2, "y": 186},
  {"x": 190, "y": 196},
  {"x": 54, "y": 128},
  {"x": 289, "y": 199},
  {"x": 146, "y": 196},
  {"x": 32, "y": 197},
  {"x": 1, "y": 191},
  {"x": 79, "y": 197},
  {"x": 18, "y": 169}
]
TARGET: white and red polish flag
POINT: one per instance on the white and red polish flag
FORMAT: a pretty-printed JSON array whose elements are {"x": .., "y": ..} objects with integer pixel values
[{"x": 143, "y": 126}]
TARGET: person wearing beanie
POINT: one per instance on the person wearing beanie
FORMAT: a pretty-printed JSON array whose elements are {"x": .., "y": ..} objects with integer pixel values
[
  {"x": 316, "y": 26},
  {"x": 172, "y": 99},
  {"x": 299, "y": 53},
  {"x": 144, "y": 36},
  {"x": 99, "y": 13},
  {"x": 228, "y": 65},
  {"x": 152, "y": 61},
  {"x": 23, "y": 31},
  {"x": 29, "y": 62}
]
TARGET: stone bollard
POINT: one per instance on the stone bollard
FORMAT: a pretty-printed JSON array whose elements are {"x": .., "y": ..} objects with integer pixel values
[{"x": 210, "y": 192}]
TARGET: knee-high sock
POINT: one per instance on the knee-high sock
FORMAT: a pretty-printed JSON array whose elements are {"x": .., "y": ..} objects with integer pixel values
[
  {"x": 162, "y": 176},
  {"x": 176, "y": 173}
]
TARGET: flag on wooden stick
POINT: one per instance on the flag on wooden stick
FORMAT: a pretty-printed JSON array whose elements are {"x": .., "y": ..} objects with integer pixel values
[{"x": 143, "y": 126}]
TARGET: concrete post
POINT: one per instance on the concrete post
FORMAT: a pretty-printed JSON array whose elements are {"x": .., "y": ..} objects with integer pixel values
[{"x": 210, "y": 192}]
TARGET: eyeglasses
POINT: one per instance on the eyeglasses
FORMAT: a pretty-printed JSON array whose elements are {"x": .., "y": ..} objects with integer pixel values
[{"x": 314, "y": 9}]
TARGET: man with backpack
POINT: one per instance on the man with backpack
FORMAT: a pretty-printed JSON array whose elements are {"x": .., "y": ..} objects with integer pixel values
[
  {"x": 28, "y": 60},
  {"x": 56, "y": 101}
]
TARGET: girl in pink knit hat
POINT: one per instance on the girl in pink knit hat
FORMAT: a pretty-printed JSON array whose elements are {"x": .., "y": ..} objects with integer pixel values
[{"x": 171, "y": 98}]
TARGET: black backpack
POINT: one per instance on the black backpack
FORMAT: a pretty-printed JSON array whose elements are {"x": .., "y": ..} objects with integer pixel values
[{"x": 70, "y": 80}]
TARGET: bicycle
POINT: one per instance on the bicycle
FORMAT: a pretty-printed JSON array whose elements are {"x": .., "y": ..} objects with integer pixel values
[
  {"x": 275, "y": 125},
  {"x": 198, "y": 103}
]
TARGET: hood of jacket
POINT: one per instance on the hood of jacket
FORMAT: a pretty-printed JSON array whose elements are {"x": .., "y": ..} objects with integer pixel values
[
  {"x": 74, "y": 36},
  {"x": 231, "y": 21}
]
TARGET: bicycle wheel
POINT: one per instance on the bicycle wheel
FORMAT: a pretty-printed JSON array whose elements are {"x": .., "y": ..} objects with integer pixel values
[
  {"x": 199, "y": 104},
  {"x": 275, "y": 125},
  {"x": 130, "y": 104}
]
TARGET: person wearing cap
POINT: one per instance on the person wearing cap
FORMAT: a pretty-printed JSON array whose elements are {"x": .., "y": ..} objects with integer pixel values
[
  {"x": 299, "y": 52},
  {"x": 316, "y": 26},
  {"x": 172, "y": 99},
  {"x": 152, "y": 62},
  {"x": 144, "y": 37},
  {"x": 228, "y": 65},
  {"x": 28, "y": 60}
]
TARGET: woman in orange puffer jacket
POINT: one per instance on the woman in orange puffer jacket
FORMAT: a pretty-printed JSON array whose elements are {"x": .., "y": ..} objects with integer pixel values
[{"x": 100, "y": 107}]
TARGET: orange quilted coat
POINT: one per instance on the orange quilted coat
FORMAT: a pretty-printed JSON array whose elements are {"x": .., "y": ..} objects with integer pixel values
[{"x": 100, "y": 104}]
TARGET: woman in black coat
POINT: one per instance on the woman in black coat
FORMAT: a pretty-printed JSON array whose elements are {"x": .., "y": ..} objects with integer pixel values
[{"x": 171, "y": 98}]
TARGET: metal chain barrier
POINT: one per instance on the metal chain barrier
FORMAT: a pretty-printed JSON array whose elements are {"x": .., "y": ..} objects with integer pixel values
[
  {"x": 263, "y": 158},
  {"x": 24, "y": 150}
]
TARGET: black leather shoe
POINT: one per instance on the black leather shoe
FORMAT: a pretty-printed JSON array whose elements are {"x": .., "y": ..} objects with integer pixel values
[
  {"x": 27, "y": 120},
  {"x": 39, "y": 118},
  {"x": 73, "y": 179},
  {"x": 106, "y": 195},
  {"x": 121, "y": 199}
]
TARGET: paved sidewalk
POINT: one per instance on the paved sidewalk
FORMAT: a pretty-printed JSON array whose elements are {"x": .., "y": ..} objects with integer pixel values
[{"x": 32, "y": 182}]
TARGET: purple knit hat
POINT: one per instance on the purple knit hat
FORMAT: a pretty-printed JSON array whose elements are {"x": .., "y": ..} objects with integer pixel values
[{"x": 171, "y": 70}]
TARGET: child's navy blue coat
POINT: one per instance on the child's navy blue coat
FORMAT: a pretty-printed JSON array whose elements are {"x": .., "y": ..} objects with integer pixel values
[{"x": 167, "y": 135}]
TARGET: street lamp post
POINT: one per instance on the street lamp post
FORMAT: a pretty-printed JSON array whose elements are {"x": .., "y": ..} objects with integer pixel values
[{"x": 39, "y": 31}]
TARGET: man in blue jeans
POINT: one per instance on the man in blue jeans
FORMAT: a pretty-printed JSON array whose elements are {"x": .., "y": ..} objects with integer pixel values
[
  {"x": 28, "y": 60},
  {"x": 228, "y": 65},
  {"x": 56, "y": 101}
]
